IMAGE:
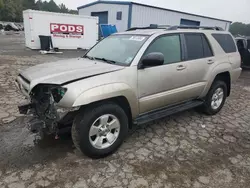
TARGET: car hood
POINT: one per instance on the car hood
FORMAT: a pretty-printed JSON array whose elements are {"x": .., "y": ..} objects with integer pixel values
[{"x": 64, "y": 71}]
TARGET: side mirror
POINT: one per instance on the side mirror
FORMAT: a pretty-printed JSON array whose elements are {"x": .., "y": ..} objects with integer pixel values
[{"x": 151, "y": 60}]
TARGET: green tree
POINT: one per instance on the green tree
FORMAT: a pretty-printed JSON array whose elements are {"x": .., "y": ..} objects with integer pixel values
[
  {"x": 29, "y": 4},
  {"x": 8, "y": 12},
  {"x": 1, "y": 4},
  {"x": 73, "y": 11},
  {"x": 18, "y": 7},
  {"x": 11, "y": 10},
  {"x": 239, "y": 28},
  {"x": 1, "y": 9},
  {"x": 52, "y": 6},
  {"x": 63, "y": 8},
  {"x": 39, "y": 5}
]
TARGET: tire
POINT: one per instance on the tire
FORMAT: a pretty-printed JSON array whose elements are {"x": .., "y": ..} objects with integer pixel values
[
  {"x": 90, "y": 119},
  {"x": 210, "y": 109},
  {"x": 75, "y": 136}
]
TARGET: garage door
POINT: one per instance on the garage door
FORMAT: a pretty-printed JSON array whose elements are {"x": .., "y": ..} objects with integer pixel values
[{"x": 103, "y": 18}]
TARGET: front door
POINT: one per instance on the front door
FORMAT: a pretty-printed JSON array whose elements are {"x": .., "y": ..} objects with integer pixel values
[
  {"x": 103, "y": 19},
  {"x": 163, "y": 85}
]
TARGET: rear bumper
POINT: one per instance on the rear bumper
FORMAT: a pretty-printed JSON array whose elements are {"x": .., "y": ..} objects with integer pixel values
[{"x": 235, "y": 74}]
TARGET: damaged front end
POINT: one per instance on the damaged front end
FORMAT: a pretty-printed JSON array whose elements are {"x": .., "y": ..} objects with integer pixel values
[{"x": 48, "y": 117}]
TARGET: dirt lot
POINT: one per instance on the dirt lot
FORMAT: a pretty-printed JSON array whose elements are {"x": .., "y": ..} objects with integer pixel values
[{"x": 184, "y": 150}]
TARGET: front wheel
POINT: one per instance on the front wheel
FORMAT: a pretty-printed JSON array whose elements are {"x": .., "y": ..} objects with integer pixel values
[
  {"x": 215, "y": 98},
  {"x": 100, "y": 130}
]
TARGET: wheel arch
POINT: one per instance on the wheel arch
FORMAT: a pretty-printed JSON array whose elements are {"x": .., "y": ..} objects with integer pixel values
[
  {"x": 119, "y": 100},
  {"x": 119, "y": 93},
  {"x": 225, "y": 76}
]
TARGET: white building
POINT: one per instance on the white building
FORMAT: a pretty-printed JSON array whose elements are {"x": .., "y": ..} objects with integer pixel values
[{"x": 129, "y": 14}]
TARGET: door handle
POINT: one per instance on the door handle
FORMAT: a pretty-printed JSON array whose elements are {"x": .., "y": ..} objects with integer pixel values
[
  {"x": 180, "y": 67},
  {"x": 210, "y": 61}
]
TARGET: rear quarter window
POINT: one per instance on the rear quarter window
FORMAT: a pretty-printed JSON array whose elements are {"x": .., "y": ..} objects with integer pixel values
[{"x": 226, "y": 42}]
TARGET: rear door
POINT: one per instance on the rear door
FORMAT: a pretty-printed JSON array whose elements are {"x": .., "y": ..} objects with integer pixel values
[{"x": 200, "y": 59}]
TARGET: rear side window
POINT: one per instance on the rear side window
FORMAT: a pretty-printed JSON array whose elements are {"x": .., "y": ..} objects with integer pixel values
[
  {"x": 197, "y": 46},
  {"x": 248, "y": 44},
  {"x": 226, "y": 42}
]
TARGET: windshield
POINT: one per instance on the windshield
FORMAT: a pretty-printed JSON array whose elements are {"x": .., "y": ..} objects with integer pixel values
[{"x": 117, "y": 49}]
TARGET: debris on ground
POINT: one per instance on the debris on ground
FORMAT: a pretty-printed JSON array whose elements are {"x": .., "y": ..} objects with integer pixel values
[
  {"x": 203, "y": 126},
  {"x": 43, "y": 52}
]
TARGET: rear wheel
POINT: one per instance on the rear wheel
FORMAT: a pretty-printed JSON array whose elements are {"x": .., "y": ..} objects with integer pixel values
[
  {"x": 215, "y": 98},
  {"x": 100, "y": 130}
]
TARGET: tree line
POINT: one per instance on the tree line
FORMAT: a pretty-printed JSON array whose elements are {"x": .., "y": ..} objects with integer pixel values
[
  {"x": 239, "y": 28},
  {"x": 11, "y": 10}
]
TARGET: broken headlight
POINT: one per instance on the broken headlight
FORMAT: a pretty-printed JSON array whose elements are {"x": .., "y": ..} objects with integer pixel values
[{"x": 58, "y": 93}]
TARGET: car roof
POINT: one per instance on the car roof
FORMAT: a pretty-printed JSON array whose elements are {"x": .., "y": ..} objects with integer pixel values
[
  {"x": 142, "y": 32},
  {"x": 150, "y": 32}
]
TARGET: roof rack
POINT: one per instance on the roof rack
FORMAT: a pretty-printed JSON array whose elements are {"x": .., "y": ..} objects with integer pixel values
[
  {"x": 195, "y": 27},
  {"x": 152, "y": 26},
  {"x": 168, "y": 27}
]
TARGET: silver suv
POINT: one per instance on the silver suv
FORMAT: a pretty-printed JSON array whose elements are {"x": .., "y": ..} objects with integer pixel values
[{"x": 128, "y": 79}]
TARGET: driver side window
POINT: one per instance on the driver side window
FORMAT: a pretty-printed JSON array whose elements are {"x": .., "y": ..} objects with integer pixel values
[{"x": 169, "y": 46}]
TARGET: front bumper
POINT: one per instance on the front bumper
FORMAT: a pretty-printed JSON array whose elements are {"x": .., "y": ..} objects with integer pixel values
[
  {"x": 24, "y": 108},
  {"x": 35, "y": 124},
  {"x": 23, "y": 85},
  {"x": 47, "y": 115},
  {"x": 42, "y": 124}
]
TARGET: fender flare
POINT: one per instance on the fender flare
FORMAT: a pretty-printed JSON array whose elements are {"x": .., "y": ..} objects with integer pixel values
[
  {"x": 221, "y": 68},
  {"x": 105, "y": 92}
]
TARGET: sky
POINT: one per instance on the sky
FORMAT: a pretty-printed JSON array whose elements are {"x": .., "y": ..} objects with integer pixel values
[{"x": 233, "y": 10}]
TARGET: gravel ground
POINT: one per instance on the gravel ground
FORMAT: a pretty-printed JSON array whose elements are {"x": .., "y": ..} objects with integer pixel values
[{"x": 184, "y": 150}]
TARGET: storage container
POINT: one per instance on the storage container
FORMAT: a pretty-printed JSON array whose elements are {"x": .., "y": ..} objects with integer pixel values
[{"x": 67, "y": 31}]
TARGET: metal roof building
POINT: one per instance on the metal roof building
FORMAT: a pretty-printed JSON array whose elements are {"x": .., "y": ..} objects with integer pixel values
[{"x": 125, "y": 15}]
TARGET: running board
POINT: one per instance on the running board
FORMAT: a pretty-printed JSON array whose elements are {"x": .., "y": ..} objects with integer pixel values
[{"x": 160, "y": 113}]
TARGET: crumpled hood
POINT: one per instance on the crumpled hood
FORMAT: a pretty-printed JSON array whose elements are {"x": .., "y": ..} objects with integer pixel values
[{"x": 64, "y": 71}]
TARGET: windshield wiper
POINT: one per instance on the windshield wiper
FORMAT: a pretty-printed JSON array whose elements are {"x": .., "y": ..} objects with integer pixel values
[
  {"x": 89, "y": 57},
  {"x": 102, "y": 59},
  {"x": 107, "y": 60}
]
